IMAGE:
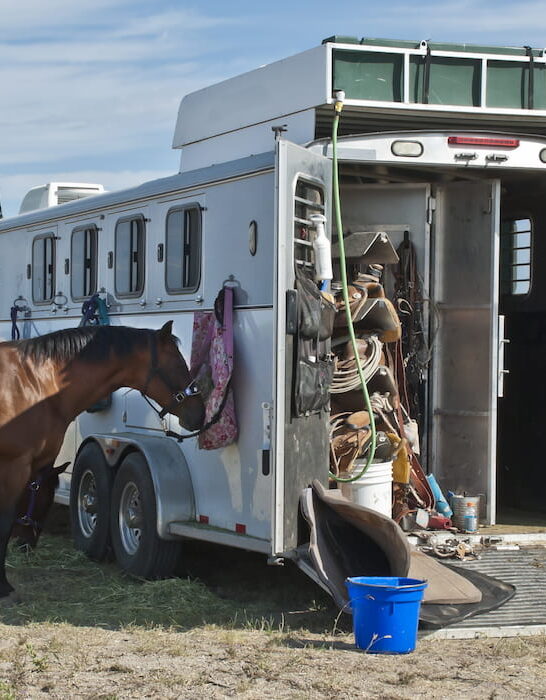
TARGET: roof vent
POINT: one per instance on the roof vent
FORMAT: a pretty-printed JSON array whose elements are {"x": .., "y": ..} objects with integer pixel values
[{"x": 54, "y": 193}]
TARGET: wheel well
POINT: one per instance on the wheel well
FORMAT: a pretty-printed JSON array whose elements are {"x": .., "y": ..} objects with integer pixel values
[
  {"x": 168, "y": 469},
  {"x": 115, "y": 463}
]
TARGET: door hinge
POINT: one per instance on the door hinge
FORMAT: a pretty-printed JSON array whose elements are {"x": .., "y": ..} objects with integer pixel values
[{"x": 431, "y": 208}]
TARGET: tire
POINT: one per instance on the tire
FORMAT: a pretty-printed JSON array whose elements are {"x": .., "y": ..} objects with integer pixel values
[
  {"x": 137, "y": 547},
  {"x": 90, "y": 493}
]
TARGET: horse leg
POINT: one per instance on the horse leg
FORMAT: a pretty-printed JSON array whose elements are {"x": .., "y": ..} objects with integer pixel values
[
  {"x": 7, "y": 516},
  {"x": 11, "y": 488}
]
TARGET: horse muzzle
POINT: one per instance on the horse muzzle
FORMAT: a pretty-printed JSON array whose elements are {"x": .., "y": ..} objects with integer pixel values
[{"x": 191, "y": 415}]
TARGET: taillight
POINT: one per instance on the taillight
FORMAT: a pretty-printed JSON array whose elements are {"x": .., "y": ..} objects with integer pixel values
[{"x": 482, "y": 141}]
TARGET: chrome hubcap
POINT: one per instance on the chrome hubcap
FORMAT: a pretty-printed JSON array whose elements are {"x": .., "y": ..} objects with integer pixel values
[
  {"x": 87, "y": 504},
  {"x": 130, "y": 518}
]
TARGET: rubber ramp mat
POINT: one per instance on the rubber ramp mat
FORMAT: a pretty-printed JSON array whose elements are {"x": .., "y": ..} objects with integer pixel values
[{"x": 526, "y": 570}]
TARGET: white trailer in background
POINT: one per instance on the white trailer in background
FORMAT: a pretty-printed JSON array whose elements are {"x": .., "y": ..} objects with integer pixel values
[{"x": 443, "y": 142}]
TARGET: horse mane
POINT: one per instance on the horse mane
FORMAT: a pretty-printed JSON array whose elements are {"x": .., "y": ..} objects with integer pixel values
[{"x": 87, "y": 343}]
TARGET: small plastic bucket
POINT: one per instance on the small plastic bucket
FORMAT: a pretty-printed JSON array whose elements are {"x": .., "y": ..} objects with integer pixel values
[
  {"x": 466, "y": 510},
  {"x": 385, "y": 612}
]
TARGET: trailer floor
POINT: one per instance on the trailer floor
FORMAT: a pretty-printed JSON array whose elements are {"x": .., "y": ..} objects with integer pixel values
[
  {"x": 525, "y": 613},
  {"x": 510, "y": 520}
]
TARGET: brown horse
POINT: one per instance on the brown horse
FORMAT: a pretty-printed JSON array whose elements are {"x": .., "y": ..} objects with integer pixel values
[{"x": 49, "y": 380}]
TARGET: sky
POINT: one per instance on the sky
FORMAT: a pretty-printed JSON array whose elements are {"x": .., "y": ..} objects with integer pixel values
[{"x": 89, "y": 92}]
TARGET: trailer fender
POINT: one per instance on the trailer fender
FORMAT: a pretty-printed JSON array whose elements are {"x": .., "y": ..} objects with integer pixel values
[{"x": 175, "y": 501}]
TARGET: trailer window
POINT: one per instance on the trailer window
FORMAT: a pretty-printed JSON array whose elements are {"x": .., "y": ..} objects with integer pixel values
[
  {"x": 129, "y": 274},
  {"x": 43, "y": 268},
  {"x": 183, "y": 249},
  {"x": 516, "y": 241},
  {"x": 308, "y": 200},
  {"x": 83, "y": 262}
]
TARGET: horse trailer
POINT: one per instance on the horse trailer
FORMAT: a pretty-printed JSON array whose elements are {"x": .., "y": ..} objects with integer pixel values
[{"x": 442, "y": 145}]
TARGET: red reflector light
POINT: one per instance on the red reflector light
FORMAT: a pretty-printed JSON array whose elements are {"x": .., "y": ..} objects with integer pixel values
[
  {"x": 240, "y": 529},
  {"x": 204, "y": 519},
  {"x": 482, "y": 141}
]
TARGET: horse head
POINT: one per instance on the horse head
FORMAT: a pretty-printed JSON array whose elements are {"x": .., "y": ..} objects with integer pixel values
[
  {"x": 34, "y": 506},
  {"x": 169, "y": 381}
]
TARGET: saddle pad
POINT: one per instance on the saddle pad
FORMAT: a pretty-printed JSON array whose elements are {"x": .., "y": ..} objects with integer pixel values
[
  {"x": 346, "y": 539},
  {"x": 444, "y": 585}
]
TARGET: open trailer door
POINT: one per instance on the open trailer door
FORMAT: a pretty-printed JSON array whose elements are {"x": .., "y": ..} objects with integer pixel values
[
  {"x": 465, "y": 352},
  {"x": 303, "y": 185}
]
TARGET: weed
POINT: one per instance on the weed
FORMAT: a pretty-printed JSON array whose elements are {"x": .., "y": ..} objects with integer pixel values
[
  {"x": 512, "y": 647},
  {"x": 39, "y": 663},
  {"x": 6, "y": 691}
]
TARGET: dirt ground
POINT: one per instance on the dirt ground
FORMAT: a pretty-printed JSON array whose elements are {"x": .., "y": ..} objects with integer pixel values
[
  {"x": 62, "y": 661},
  {"x": 229, "y": 626}
]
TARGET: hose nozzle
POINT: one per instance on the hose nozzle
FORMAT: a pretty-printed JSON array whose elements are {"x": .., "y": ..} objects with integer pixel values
[{"x": 340, "y": 100}]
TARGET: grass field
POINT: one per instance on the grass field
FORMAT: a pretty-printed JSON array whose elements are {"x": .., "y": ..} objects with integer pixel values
[
  {"x": 229, "y": 626},
  {"x": 215, "y": 585}
]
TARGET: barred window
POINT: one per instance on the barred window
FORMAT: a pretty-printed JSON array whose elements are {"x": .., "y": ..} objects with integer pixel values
[
  {"x": 183, "y": 253},
  {"x": 308, "y": 200},
  {"x": 130, "y": 257},
  {"x": 83, "y": 265},
  {"x": 516, "y": 244},
  {"x": 43, "y": 268}
]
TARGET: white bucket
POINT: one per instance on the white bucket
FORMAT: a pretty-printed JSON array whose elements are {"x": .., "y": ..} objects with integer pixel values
[{"x": 373, "y": 489}]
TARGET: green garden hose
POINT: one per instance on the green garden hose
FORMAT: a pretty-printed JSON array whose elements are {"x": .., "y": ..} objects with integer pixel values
[{"x": 343, "y": 267}]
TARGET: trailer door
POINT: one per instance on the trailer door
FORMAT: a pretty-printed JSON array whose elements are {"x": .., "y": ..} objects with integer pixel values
[
  {"x": 465, "y": 362},
  {"x": 303, "y": 183}
]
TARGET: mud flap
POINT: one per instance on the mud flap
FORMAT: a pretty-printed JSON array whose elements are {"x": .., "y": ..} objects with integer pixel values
[{"x": 345, "y": 539}]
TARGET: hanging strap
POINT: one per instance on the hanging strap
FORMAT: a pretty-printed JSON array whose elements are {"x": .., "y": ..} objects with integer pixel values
[
  {"x": 531, "y": 91},
  {"x": 15, "y": 334},
  {"x": 426, "y": 76},
  {"x": 94, "y": 312}
]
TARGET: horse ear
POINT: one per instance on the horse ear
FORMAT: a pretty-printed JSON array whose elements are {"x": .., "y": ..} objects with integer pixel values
[{"x": 166, "y": 330}]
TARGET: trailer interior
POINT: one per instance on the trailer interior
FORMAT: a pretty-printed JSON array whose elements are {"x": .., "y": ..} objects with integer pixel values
[{"x": 396, "y": 197}]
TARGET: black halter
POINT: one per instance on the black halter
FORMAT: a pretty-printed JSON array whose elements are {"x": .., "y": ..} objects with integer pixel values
[
  {"x": 178, "y": 395},
  {"x": 27, "y": 520},
  {"x": 33, "y": 487}
]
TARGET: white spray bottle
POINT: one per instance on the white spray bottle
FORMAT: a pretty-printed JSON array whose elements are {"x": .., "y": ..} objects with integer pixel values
[{"x": 322, "y": 248}]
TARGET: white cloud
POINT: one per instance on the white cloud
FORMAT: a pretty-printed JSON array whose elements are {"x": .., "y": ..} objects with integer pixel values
[
  {"x": 14, "y": 187},
  {"x": 73, "y": 91},
  {"x": 471, "y": 17},
  {"x": 37, "y": 18}
]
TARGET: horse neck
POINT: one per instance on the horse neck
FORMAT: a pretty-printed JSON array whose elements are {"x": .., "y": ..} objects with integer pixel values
[{"x": 84, "y": 383}]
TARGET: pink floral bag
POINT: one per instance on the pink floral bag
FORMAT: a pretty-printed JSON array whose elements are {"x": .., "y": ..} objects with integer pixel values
[{"x": 212, "y": 367}]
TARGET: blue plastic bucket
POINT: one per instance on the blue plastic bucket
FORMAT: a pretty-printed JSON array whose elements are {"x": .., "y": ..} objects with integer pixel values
[{"x": 385, "y": 612}]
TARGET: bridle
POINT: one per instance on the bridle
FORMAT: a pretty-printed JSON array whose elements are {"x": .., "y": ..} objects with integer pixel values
[
  {"x": 27, "y": 520},
  {"x": 178, "y": 396}
]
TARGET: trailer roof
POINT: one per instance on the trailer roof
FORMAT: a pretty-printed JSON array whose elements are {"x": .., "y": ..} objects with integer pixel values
[
  {"x": 435, "y": 46},
  {"x": 147, "y": 190},
  {"x": 399, "y": 80}
]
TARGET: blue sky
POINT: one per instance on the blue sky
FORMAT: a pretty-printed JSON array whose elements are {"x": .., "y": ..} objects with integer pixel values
[{"x": 90, "y": 91}]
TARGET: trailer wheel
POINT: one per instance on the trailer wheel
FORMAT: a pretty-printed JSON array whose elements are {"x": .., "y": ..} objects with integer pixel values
[
  {"x": 90, "y": 490},
  {"x": 137, "y": 547}
]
